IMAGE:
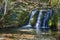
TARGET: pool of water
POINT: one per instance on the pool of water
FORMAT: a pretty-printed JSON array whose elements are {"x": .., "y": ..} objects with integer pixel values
[{"x": 27, "y": 34}]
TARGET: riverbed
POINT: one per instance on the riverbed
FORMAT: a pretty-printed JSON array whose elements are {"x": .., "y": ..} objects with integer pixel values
[{"x": 26, "y": 34}]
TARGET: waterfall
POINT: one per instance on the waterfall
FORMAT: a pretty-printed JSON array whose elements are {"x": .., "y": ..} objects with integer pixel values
[
  {"x": 41, "y": 25},
  {"x": 38, "y": 23},
  {"x": 29, "y": 25},
  {"x": 45, "y": 22},
  {"x": 32, "y": 14},
  {"x": 45, "y": 27},
  {"x": 46, "y": 17}
]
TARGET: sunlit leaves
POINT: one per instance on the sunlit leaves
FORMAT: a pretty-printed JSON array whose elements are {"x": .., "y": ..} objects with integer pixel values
[
  {"x": 54, "y": 2},
  {"x": 1, "y": 0}
]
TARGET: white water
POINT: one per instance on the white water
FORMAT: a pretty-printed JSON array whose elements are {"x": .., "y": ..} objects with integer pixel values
[
  {"x": 46, "y": 17},
  {"x": 45, "y": 21},
  {"x": 45, "y": 28},
  {"x": 32, "y": 14},
  {"x": 38, "y": 23}
]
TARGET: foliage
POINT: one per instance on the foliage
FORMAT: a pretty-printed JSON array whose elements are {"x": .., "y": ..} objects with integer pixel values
[
  {"x": 18, "y": 12},
  {"x": 34, "y": 19},
  {"x": 53, "y": 19},
  {"x": 54, "y": 2}
]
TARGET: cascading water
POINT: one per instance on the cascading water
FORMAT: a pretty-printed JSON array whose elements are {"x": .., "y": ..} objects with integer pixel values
[
  {"x": 24, "y": 28},
  {"x": 39, "y": 28},
  {"x": 46, "y": 16},
  {"x": 28, "y": 24},
  {"x": 38, "y": 23},
  {"x": 45, "y": 27},
  {"x": 33, "y": 13},
  {"x": 45, "y": 22}
]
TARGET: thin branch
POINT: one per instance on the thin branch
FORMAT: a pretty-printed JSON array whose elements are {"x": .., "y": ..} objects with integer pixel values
[{"x": 5, "y": 9}]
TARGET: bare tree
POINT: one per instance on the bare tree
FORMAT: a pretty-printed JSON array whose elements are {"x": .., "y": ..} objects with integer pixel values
[
  {"x": 5, "y": 12},
  {"x": 5, "y": 9}
]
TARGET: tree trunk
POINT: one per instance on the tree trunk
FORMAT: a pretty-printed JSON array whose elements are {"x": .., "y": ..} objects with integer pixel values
[{"x": 2, "y": 20}]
